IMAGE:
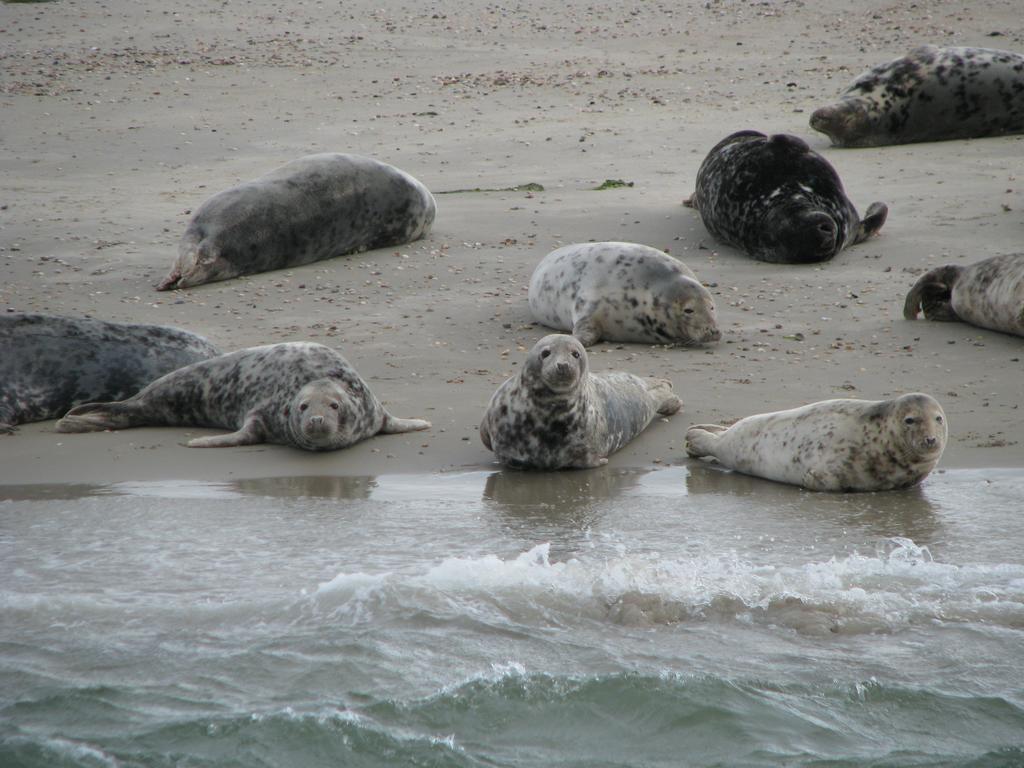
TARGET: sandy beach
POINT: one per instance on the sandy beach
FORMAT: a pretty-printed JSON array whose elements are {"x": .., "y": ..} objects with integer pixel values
[{"x": 120, "y": 118}]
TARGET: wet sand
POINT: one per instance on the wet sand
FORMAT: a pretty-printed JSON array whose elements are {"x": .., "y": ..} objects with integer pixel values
[{"x": 119, "y": 119}]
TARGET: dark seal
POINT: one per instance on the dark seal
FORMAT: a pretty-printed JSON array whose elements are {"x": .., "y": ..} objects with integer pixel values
[
  {"x": 778, "y": 200},
  {"x": 988, "y": 293},
  {"x": 555, "y": 414},
  {"x": 832, "y": 445},
  {"x": 296, "y": 393},
  {"x": 931, "y": 94},
  {"x": 310, "y": 209},
  {"x": 49, "y": 363}
]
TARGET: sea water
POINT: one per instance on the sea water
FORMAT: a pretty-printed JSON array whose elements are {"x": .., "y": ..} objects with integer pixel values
[{"x": 684, "y": 616}]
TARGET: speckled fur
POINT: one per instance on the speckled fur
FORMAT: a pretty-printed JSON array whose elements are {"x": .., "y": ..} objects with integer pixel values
[
  {"x": 778, "y": 200},
  {"x": 297, "y": 393},
  {"x": 312, "y": 208},
  {"x": 988, "y": 293},
  {"x": 833, "y": 445},
  {"x": 557, "y": 415},
  {"x": 931, "y": 94},
  {"x": 49, "y": 363},
  {"x": 622, "y": 292}
]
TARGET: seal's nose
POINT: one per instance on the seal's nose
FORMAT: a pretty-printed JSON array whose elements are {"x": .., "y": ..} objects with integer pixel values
[
  {"x": 562, "y": 368},
  {"x": 316, "y": 421},
  {"x": 931, "y": 442}
]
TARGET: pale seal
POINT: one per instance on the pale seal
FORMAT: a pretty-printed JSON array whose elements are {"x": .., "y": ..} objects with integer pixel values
[
  {"x": 778, "y": 200},
  {"x": 296, "y": 393},
  {"x": 312, "y": 208},
  {"x": 988, "y": 293},
  {"x": 622, "y": 292},
  {"x": 931, "y": 94},
  {"x": 555, "y": 414},
  {"x": 832, "y": 445},
  {"x": 50, "y": 363}
]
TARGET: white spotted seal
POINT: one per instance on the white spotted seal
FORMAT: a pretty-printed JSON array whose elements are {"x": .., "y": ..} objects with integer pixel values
[
  {"x": 931, "y": 94},
  {"x": 832, "y": 445},
  {"x": 312, "y": 208},
  {"x": 988, "y": 293},
  {"x": 622, "y": 292},
  {"x": 778, "y": 200},
  {"x": 50, "y": 363},
  {"x": 555, "y": 414},
  {"x": 295, "y": 393}
]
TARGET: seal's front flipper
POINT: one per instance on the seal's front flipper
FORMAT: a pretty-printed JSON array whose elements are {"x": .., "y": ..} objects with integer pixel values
[
  {"x": 872, "y": 221},
  {"x": 394, "y": 426},
  {"x": 251, "y": 433},
  {"x": 587, "y": 331},
  {"x": 94, "y": 417}
]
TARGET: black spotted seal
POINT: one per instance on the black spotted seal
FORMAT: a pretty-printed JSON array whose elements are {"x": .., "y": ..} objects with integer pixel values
[
  {"x": 778, "y": 200},
  {"x": 832, "y": 445},
  {"x": 555, "y": 414},
  {"x": 313, "y": 208},
  {"x": 988, "y": 293},
  {"x": 622, "y": 292},
  {"x": 50, "y": 363},
  {"x": 931, "y": 94},
  {"x": 296, "y": 393}
]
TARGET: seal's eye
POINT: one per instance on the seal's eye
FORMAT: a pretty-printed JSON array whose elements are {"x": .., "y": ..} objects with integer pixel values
[
  {"x": 334, "y": 406},
  {"x": 304, "y": 406},
  {"x": 938, "y": 419},
  {"x": 576, "y": 354},
  {"x": 909, "y": 420},
  {"x": 545, "y": 353},
  {"x": 688, "y": 311}
]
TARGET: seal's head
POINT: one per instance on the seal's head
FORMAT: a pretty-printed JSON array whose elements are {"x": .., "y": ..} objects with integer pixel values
[
  {"x": 920, "y": 426},
  {"x": 197, "y": 263},
  {"x": 796, "y": 232},
  {"x": 320, "y": 416},
  {"x": 848, "y": 123},
  {"x": 557, "y": 363},
  {"x": 692, "y": 309}
]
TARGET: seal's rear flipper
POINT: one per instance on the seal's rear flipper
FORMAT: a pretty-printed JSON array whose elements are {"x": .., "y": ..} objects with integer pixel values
[
  {"x": 872, "y": 221},
  {"x": 668, "y": 401},
  {"x": 932, "y": 293},
  {"x": 394, "y": 426},
  {"x": 94, "y": 417},
  {"x": 701, "y": 439}
]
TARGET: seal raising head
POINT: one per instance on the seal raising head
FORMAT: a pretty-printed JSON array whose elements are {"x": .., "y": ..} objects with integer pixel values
[
  {"x": 622, "y": 292},
  {"x": 555, "y": 414},
  {"x": 778, "y": 200}
]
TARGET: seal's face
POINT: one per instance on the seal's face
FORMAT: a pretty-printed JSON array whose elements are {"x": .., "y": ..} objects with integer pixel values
[
  {"x": 922, "y": 426},
  {"x": 848, "y": 123},
  {"x": 559, "y": 362},
  {"x": 320, "y": 416},
  {"x": 695, "y": 316},
  {"x": 798, "y": 233}
]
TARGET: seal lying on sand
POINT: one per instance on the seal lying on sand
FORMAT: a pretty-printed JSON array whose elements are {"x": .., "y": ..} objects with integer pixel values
[
  {"x": 622, "y": 292},
  {"x": 833, "y": 445},
  {"x": 297, "y": 393},
  {"x": 988, "y": 293},
  {"x": 310, "y": 209},
  {"x": 931, "y": 94},
  {"x": 50, "y": 363},
  {"x": 778, "y": 200},
  {"x": 556, "y": 414}
]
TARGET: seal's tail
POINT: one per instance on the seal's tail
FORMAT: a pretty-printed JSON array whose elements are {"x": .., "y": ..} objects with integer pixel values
[
  {"x": 667, "y": 400},
  {"x": 93, "y": 417},
  {"x": 931, "y": 294},
  {"x": 701, "y": 439}
]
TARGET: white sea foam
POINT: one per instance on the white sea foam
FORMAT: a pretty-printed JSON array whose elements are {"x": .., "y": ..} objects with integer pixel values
[{"x": 900, "y": 585}]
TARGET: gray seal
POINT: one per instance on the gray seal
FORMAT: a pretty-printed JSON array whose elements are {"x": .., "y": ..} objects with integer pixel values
[
  {"x": 50, "y": 363},
  {"x": 310, "y": 209},
  {"x": 778, "y": 200},
  {"x": 555, "y": 414},
  {"x": 622, "y": 292},
  {"x": 988, "y": 293},
  {"x": 832, "y": 445},
  {"x": 931, "y": 94},
  {"x": 295, "y": 393}
]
